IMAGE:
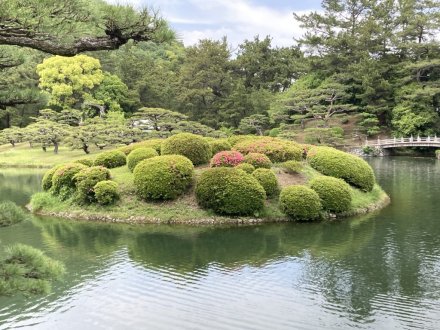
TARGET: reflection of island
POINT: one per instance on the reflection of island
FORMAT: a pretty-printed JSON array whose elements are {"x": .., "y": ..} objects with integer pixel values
[{"x": 18, "y": 185}]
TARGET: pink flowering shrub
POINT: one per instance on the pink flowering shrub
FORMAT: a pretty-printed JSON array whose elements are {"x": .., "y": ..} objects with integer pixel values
[
  {"x": 258, "y": 160},
  {"x": 227, "y": 159},
  {"x": 276, "y": 149}
]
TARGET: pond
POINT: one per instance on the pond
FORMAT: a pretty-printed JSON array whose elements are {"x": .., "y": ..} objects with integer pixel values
[{"x": 380, "y": 271}]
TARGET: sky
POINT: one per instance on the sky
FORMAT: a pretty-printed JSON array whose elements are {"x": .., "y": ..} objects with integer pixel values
[{"x": 237, "y": 19}]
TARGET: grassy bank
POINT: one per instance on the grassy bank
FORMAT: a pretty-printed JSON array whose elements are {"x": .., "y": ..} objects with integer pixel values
[
  {"x": 24, "y": 156},
  {"x": 130, "y": 209}
]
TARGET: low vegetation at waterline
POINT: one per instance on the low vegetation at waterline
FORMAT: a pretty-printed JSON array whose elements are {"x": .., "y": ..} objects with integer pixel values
[
  {"x": 252, "y": 181},
  {"x": 28, "y": 270},
  {"x": 10, "y": 214}
]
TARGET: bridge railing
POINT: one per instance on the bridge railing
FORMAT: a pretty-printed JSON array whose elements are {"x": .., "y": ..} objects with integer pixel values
[{"x": 402, "y": 140}]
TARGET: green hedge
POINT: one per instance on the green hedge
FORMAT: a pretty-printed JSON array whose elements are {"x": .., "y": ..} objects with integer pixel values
[
  {"x": 268, "y": 180},
  {"x": 46, "y": 183},
  {"x": 258, "y": 160},
  {"x": 339, "y": 164},
  {"x": 63, "y": 180},
  {"x": 248, "y": 168},
  {"x": 163, "y": 177},
  {"x": 111, "y": 159},
  {"x": 156, "y": 144},
  {"x": 139, "y": 154},
  {"x": 85, "y": 161},
  {"x": 86, "y": 179},
  {"x": 230, "y": 191},
  {"x": 292, "y": 166},
  {"x": 276, "y": 149},
  {"x": 218, "y": 145},
  {"x": 300, "y": 203},
  {"x": 193, "y": 147},
  {"x": 106, "y": 192},
  {"x": 335, "y": 193}
]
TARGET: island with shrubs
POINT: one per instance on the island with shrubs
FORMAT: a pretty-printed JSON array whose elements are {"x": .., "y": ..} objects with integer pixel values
[{"x": 188, "y": 178}]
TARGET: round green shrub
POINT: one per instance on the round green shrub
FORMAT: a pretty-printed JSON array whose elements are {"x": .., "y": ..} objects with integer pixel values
[
  {"x": 218, "y": 145},
  {"x": 334, "y": 193},
  {"x": 300, "y": 203},
  {"x": 10, "y": 214},
  {"x": 230, "y": 191},
  {"x": 106, "y": 192},
  {"x": 268, "y": 180},
  {"x": 85, "y": 161},
  {"x": 86, "y": 179},
  {"x": 235, "y": 139},
  {"x": 111, "y": 159},
  {"x": 292, "y": 166},
  {"x": 276, "y": 149},
  {"x": 163, "y": 177},
  {"x": 46, "y": 183},
  {"x": 258, "y": 160},
  {"x": 192, "y": 146},
  {"x": 339, "y": 164},
  {"x": 151, "y": 143},
  {"x": 248, "y": 168},
  {"x": 63, "y": 180},
  {"x": 139, "y": 154}
]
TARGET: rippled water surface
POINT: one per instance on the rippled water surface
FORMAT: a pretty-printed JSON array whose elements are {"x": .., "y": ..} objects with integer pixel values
[{"x": 380, "y": 271}]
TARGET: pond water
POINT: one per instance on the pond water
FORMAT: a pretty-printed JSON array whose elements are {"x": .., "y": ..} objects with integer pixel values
[{"x": 380, "y": 271}]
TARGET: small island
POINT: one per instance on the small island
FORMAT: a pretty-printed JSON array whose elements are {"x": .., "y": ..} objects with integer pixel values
[{"x": 190, "y": 179}]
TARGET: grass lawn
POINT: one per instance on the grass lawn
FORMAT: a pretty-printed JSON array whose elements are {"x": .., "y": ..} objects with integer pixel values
[{"x": 23, "y": 156}]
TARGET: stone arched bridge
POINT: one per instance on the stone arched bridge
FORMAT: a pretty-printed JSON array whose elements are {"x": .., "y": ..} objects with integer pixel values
[{"x": 433, "y": 142}]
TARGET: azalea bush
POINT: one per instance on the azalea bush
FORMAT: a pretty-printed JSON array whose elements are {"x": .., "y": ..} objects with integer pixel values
[{"x": 227, "y": 159}]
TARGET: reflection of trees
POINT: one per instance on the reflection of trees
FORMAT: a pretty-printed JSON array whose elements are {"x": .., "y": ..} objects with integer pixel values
[{"x": 19, "y": 184}]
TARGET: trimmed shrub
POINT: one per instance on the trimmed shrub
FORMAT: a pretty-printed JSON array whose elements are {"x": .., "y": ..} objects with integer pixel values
[
  {"x": 139, "y": 154},
  {"x": 63, "y": 180},
  {"x": 300, "y": 203},
  {"x": 10, "y": 214},
  {"x": 276, "y": 149},
  {"x": 248, "y": 168},
  {"x": 230, "y": 191},
  {"x": 46, "y": 183},
  {"x": 235, "y": 139},
  {"x": 218, "y": 145},
  {"x": 258, "y": 160},
  {"x": 268, "y": 180},
  {"x": 339, "y": 164},
  {"x": 106, "y": 192},
  {"x": 334, "y": 193},
  {"x": 111, "y": 159},
  {"x": 292, "y": 166},
  {"x": 163, "y": 177},
  {"x": 152, "y": 143},
  {"x": 193, "y": 147},
  {"x": 227, "y": 159},
  {"x": 86, "y": 180},
  {"x": 85, "y": 161}
]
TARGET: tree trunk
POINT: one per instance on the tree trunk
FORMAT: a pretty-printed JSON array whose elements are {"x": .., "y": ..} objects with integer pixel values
[
  {"x": 85, "y": 147},
  {"x": 44, "y": 148},
  {"x": 55, "y": 147}
]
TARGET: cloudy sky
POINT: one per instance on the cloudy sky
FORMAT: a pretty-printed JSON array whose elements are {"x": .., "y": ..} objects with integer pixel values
[{"x": 237, "y": 19}]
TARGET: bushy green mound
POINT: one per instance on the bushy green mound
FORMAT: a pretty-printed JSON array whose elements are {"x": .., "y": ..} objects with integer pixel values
[
  {"x": 218, "y": 145},
  {"x": 339, "y": 164},
  {"x": 230, "y": 191},
  {"x": 63, "y": 180},
  {"x": 139, "y": 154},
  {"x": 85, "y": 161},
  {"x": 86, "y": 180},
  {"x": 111, "y": 159},
  {"x": 268, "y": 180},
  {"x": 235, "y": 139},
  {"x": 248, "y": 168},
  {"x": 226, "y": 159},
  {"x": 106, "y": 192},
  {"x": 156, "y": 144},
  {"x": 46, "y": 183},
  {"x": 27, "y": 270},
  {"x": 163, "y": 177},
  {"x": 10, "y": 214},
  {"x": 258, "y": 160},
  {"x": 300, "y": 203},
  {"x": 193, "y": 147},
  {"x": 335, "y": 193},
  {"x": 276, "y": 149},
  {"x": 292, "y": 166}
]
